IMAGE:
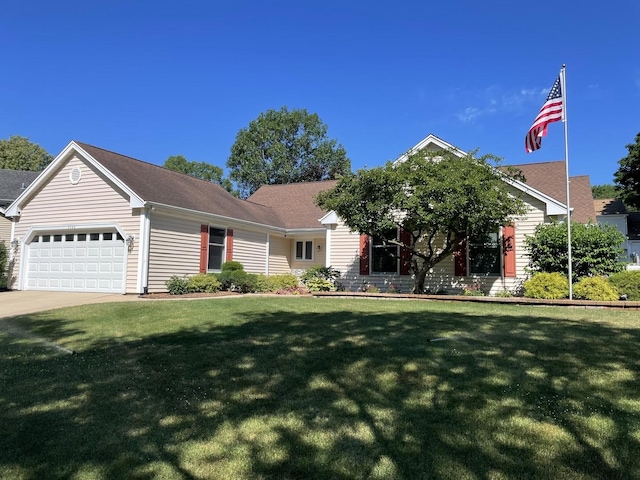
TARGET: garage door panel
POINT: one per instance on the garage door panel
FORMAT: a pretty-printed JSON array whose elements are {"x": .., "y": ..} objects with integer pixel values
[{"x": 74, "y": 263}]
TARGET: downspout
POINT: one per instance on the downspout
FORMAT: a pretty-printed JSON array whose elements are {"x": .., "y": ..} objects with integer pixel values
[
  {"x": 267, "y": 259},
  {"x": 327, "y": 247}
]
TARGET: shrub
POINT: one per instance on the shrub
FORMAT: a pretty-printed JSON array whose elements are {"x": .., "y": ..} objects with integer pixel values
[
  {"x": 232, "y": 266},
  {"x": 320, "y": 272},
  {"x": 4, "y": 274},
  {"x": 177, "y": 285},
  {"x": 504, "y": 294},
  {"x": 274, "y": 283},
  {"x": 238, "y": 281},
  {"x": 319, "y": 285},
  {"x": 472, "y": 290},
  {"x": 203, "y": 282},
  {"x": 595, "y": 249},
  {"x": 547, "y": 285},
  {"x": 627, "y": 283},
  {"x": 595, "y": 288}
]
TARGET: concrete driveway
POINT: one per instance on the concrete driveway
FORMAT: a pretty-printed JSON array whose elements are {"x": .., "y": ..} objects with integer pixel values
[{"x": 18, "y": 302}]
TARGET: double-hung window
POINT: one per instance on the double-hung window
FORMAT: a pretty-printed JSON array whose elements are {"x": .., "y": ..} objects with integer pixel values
[
  {"x": 484, "y": 254},
  {"x": 216, "y": 248},
  {"x": 384, "y": 256},
  {"x": 304, "y": 250}
]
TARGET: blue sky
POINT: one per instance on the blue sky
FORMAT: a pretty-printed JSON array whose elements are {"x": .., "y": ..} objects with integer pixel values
[{"x": 154, "y": 79}]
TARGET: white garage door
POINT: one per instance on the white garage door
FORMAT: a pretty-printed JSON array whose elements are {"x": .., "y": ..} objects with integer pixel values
[{"x": 78, "y": 262}]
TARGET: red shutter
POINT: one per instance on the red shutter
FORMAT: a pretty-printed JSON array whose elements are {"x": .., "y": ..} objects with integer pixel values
[
  {"x": 204, "y": 247},
  {"x": 229, "y": 245},
  {"x": 364, "y": 254},
  {"x": 405, "y": 253},
  {"x": 460, "y": 257},
  {"x": 509, "y": 250}
]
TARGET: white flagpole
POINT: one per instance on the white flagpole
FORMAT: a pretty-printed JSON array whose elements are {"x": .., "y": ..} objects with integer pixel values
[{"x": 563, "y": 85}]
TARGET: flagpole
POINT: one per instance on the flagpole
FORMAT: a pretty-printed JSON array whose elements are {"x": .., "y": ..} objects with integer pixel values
[{"x": 566, "y": 164}]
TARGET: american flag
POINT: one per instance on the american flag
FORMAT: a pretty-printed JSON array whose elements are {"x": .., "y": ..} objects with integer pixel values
[{"x": 550, "y": 112}]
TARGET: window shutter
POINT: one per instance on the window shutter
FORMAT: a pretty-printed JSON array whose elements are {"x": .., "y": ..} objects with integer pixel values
[
  {"x": 509, "y": 250},
  {"x": 405, "y": 255},
  {"x": 204, "y": 247},
  {"x": 364, "y": 254},
  {"x": 460, "y": 257},
  {"x": 229, "y": 256}
]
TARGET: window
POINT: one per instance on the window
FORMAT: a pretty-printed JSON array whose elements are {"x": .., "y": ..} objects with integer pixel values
[
  {"x": 82, "y": 237},
  {"x": 304, "y": 250},
  {"x": 107, "y": 236},
  {"x": 484, "y": 254},
  {"x": 384, "y": 257},
  {"x": 68, "y": 237},
  {"x": 216, "y": 248},
  {"x": 94, "y": 237},
  {"x": 57, "y": 238}
]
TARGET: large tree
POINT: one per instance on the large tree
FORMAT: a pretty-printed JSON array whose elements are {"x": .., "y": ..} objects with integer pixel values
[
  {"x": 604, "y": 191},
  {"x": 284, "y": 146},
  {"x": 201, "y": 170},
  {"x": 18, "y": 153},
  {"x": 627, "y": 178},
  {"x": 437, "y": 197}
]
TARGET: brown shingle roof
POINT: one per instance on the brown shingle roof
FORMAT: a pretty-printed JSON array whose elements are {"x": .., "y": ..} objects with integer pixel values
[
  {"x": 159, "y": 185},
  {"x": 294, "y": 203},
  {"x": 609, "y": 206},
  {"x": 549, "y": 178}
]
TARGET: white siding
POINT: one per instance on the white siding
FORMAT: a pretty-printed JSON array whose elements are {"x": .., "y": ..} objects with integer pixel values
[
  {"x": 5, "y": 230},
  {"x": 174, "y": 249},
  {"x": 279, "y": 255},
  {"x": 250, "y": 249},
  {"x": 93, "y": 200}
]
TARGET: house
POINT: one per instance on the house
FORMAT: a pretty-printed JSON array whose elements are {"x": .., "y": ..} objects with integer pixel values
[
  {"x": 611, "y": 211},
  {"x": 95, "y": 220},
  {"x": 12, "y": 184}
]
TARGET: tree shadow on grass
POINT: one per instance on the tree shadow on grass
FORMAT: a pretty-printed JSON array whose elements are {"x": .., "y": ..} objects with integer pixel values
[{"x": 340, "y": 395}]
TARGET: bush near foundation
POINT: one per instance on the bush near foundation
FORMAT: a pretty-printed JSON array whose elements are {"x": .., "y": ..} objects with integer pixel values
[
  {"x": 627, "y": 283},
  {"x": 203, "y": 282},
  {"x": 551, "y": 286},
  {"x": 275, "y": 283},
  {"x": 595, "y": 288}
]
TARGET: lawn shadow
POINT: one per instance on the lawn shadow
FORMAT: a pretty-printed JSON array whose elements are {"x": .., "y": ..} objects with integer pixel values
[{"x": 340, "y": 395}]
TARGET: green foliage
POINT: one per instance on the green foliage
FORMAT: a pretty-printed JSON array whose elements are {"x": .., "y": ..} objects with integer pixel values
[
  {"x": 276, "y": 283},
  {"x": 319, "y": 285},
  {"x": 547, "y": 285},
  {"x": 627, "y": 283},
  {"x": 18, "y": 153},
  {"x": 231, "y": 266},
  {"x": 595, "y": 249},
  {"x": 604, "y": 191},
  {"x": 595, "y": 288},
  {"x": 473, "y": 290},
  {"x": 177, "y": 285},
  {"x": 201, "y": 170},
  {"x": 320, "y": 278},
  {"x": 284, "y": 146},
  {"x": 4, "y": 263},
  {"x": 203, "y": 282},
  {"x": 238, "y": 281},
  {"x": 436, "y": 196},
  {"x": 503, "y": 294},
  {"x": 627, "y": 177}
]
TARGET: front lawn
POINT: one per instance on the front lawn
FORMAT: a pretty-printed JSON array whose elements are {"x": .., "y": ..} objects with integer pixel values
[{"x": 295, "y": 388}]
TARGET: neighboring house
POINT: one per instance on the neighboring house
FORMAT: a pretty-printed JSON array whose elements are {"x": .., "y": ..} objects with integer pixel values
[
  {"x": 611, "y": 211},
  {"x": 95, "y": 220},
  {"x": 12, "y": 184}
]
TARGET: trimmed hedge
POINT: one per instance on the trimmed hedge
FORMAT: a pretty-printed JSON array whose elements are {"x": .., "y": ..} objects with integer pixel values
[
  {"x": 627, "y": 283},
  {"x": 547, "y": 285},
  {"x": 595, "y": 288}
]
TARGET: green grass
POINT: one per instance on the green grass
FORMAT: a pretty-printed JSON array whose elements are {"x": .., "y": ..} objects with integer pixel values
[{"x": 293, "y": 388}]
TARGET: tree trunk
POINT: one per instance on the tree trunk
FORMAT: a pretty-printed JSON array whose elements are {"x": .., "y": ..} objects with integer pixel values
[{"x": 418, "y": 286}]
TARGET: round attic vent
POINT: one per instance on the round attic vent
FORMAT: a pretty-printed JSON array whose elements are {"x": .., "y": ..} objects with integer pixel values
[{"x": 75, "y": 175}]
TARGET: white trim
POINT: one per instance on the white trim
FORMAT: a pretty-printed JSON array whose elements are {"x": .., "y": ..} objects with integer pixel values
[
  {"x": 144, "y": 237},
  {"x": 330, "y": 218},
  {"x": 14, "y": 209},
  {"x": 304, "y": 250},
  {"x": 327, "y": 253},
  {"x": 268, "y": 246},
  {"x": 430, "y": 140}
]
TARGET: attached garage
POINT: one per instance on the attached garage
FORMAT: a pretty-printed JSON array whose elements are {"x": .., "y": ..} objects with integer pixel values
[{"x": 92, "y": 261}]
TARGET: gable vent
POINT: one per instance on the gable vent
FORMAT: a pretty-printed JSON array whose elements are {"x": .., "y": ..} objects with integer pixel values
[{"x": 75, "y": 175}]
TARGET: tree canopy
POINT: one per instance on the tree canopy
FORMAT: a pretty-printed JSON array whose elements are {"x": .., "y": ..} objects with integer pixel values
[
  {"x": 201, "y": 170},
  {"x": 18, "y": 153},
  {"x": 627, "y": 177},
  {"x": 284, "y": 146},
  {"x": 437, "y": 197},
  {"x": 604, "y": 191}
]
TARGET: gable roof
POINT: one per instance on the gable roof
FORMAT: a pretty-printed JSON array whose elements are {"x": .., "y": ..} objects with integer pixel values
[
  {"x": 294, "y": 203},
  {"x": 12, "y": 184},
  {"x": 149, "y": 184},
  {"x": 609, "y": 206},
  {"x": 550, "y": 179}
]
